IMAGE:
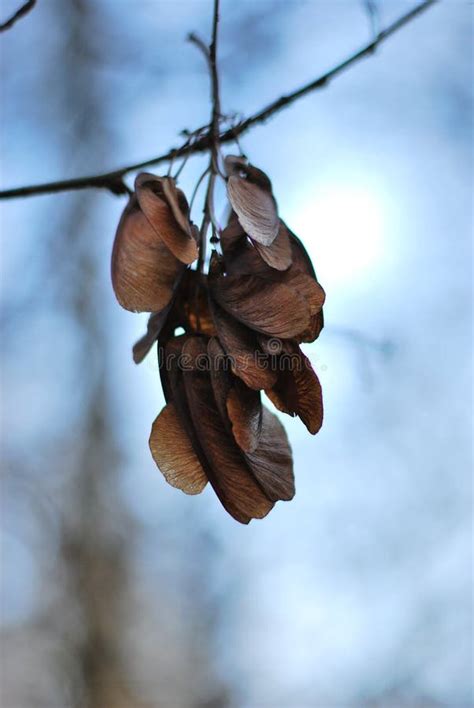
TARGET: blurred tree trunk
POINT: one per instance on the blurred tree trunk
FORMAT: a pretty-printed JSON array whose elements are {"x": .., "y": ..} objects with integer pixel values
[{"x": 97, "y": 526}]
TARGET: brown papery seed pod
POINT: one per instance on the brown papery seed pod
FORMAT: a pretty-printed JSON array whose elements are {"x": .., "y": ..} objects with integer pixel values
[{"x": 253, "y": 203}]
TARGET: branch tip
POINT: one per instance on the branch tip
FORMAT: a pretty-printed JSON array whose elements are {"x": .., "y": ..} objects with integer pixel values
[{"x": 21, "y": 12}]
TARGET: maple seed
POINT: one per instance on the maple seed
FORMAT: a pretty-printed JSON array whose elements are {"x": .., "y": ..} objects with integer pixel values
[{"x": 241, "y": 326}]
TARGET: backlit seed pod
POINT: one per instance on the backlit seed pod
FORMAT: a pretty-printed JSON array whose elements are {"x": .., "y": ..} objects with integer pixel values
[
  {"x": 167, "y": 211},
  {"x": 242, "y": 258},
  {"x": 144, "y": 271},
  {"x": 269, "y": 307},
  {"x": 213, "y": 428},
  {"x": 250, "y": 193},
  {"x": 188, "y": 309},
  {"x": 223, "y": 337},
  {"x": 297, "y": 390}
]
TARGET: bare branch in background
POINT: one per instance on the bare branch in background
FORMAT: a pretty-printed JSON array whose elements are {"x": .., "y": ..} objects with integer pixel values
[
  {"x": 113, "y": 181},
  {"x": 384, "y": 346},
  {"x": 373, "y": 17},
  {"x": 200, "y": 44},
  {"x": 21, "y": 12}
]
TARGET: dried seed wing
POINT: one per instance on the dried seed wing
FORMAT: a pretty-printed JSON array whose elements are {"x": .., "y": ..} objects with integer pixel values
[
  {"x": 271, "y": 462},
  {"x": 154, "y": 327},
  {"x": 233, "y": 483},
  {"x": 256, "y": 209},
  {"x": 173, "y": 453},
  {"x": 247, "y": 361},
  {"x": 298, "y": 390},
  {"x": 268, "y": 307},
  {"x": 178, "y": 204},
  {"x": 278, "y": 255},
  {"x": 144, "y": 271},
  {"x": 153, "y": 203},
  {"x": 244, "y": 410}
]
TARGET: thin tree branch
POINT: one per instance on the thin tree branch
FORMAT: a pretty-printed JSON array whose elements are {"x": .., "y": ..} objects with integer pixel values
[
  {"x": 21, "y": 12},
  {"x": 374, "y": 16},
  {"x": 216, "y": 104},
  {"x": 200, "y": 44},
  {"x": 209, "y": 217},
  {"x": 113, "y": 180}
]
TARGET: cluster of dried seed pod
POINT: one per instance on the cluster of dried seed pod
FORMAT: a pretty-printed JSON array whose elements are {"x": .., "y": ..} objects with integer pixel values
[{"x": 243, "y": 324}]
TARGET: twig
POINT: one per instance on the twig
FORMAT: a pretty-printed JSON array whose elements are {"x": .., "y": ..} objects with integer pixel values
[
  {"x": 23, "y": 10},
  {"x": 209, "y": 217},
  {"x": 216, "y": 104},
  {"x": 196, "y": 188},
  {"x": 114, "y": 180},
  {"x": 202, "y": 46},
  {"x": 323, "y": 80},
  {"x": 374, "y": 18}
]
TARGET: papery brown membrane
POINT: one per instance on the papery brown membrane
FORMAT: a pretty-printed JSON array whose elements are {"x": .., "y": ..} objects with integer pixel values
[
  {"x": 178, "y": 204},
  {"x": 271, "y": 462},
  {"x": 171, "y": 374},
  {"x": 268, "y": 456},
  {"x": 221, "y": 375},
  {"x": 270, "y": 459},
  {"x": 244, "y": 410},
  {"x": 239, "y": 406},
  {"x": 278, "y": 255},
  {"x": 176, "y": 233},
  {"x": 240, "y": 344},
  {"x": 162, "y": 324},
  {"x": 144, "y": 271},
  {"x": 154, "y": 327},
  {"x": 266, "y": 306},
  {"x": 303, "y": 264},
  {"x": 246, "y": 255},
  {"x": 297, "y": 390},
  {"x": 193, "y": 439},
  {"x": 306, "y": 287},
  {"x": 232, "y": 481},
  {"x": 250, "y": 193},
  {"x": 173, "y": 453},
  {"x": 233, "y": 234},
  {"x": 301, "y": 259},
  {"x": 169, "y": 352},
  {"x": 239, "y": 166},
  {"x": 255, "y": 208},
  {"x": 242, "y": 258},
  {"x": 314, "y": 330}
]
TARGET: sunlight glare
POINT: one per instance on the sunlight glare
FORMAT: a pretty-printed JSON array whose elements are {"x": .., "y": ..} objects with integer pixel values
[{"x": 342, "y": 228}]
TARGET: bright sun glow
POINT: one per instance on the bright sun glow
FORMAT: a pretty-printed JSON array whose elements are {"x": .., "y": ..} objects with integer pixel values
[{"x": 342, "y": 227}]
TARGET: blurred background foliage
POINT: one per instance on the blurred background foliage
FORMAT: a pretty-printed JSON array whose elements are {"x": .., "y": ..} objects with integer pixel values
[{"x": 117, "y": 590}]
